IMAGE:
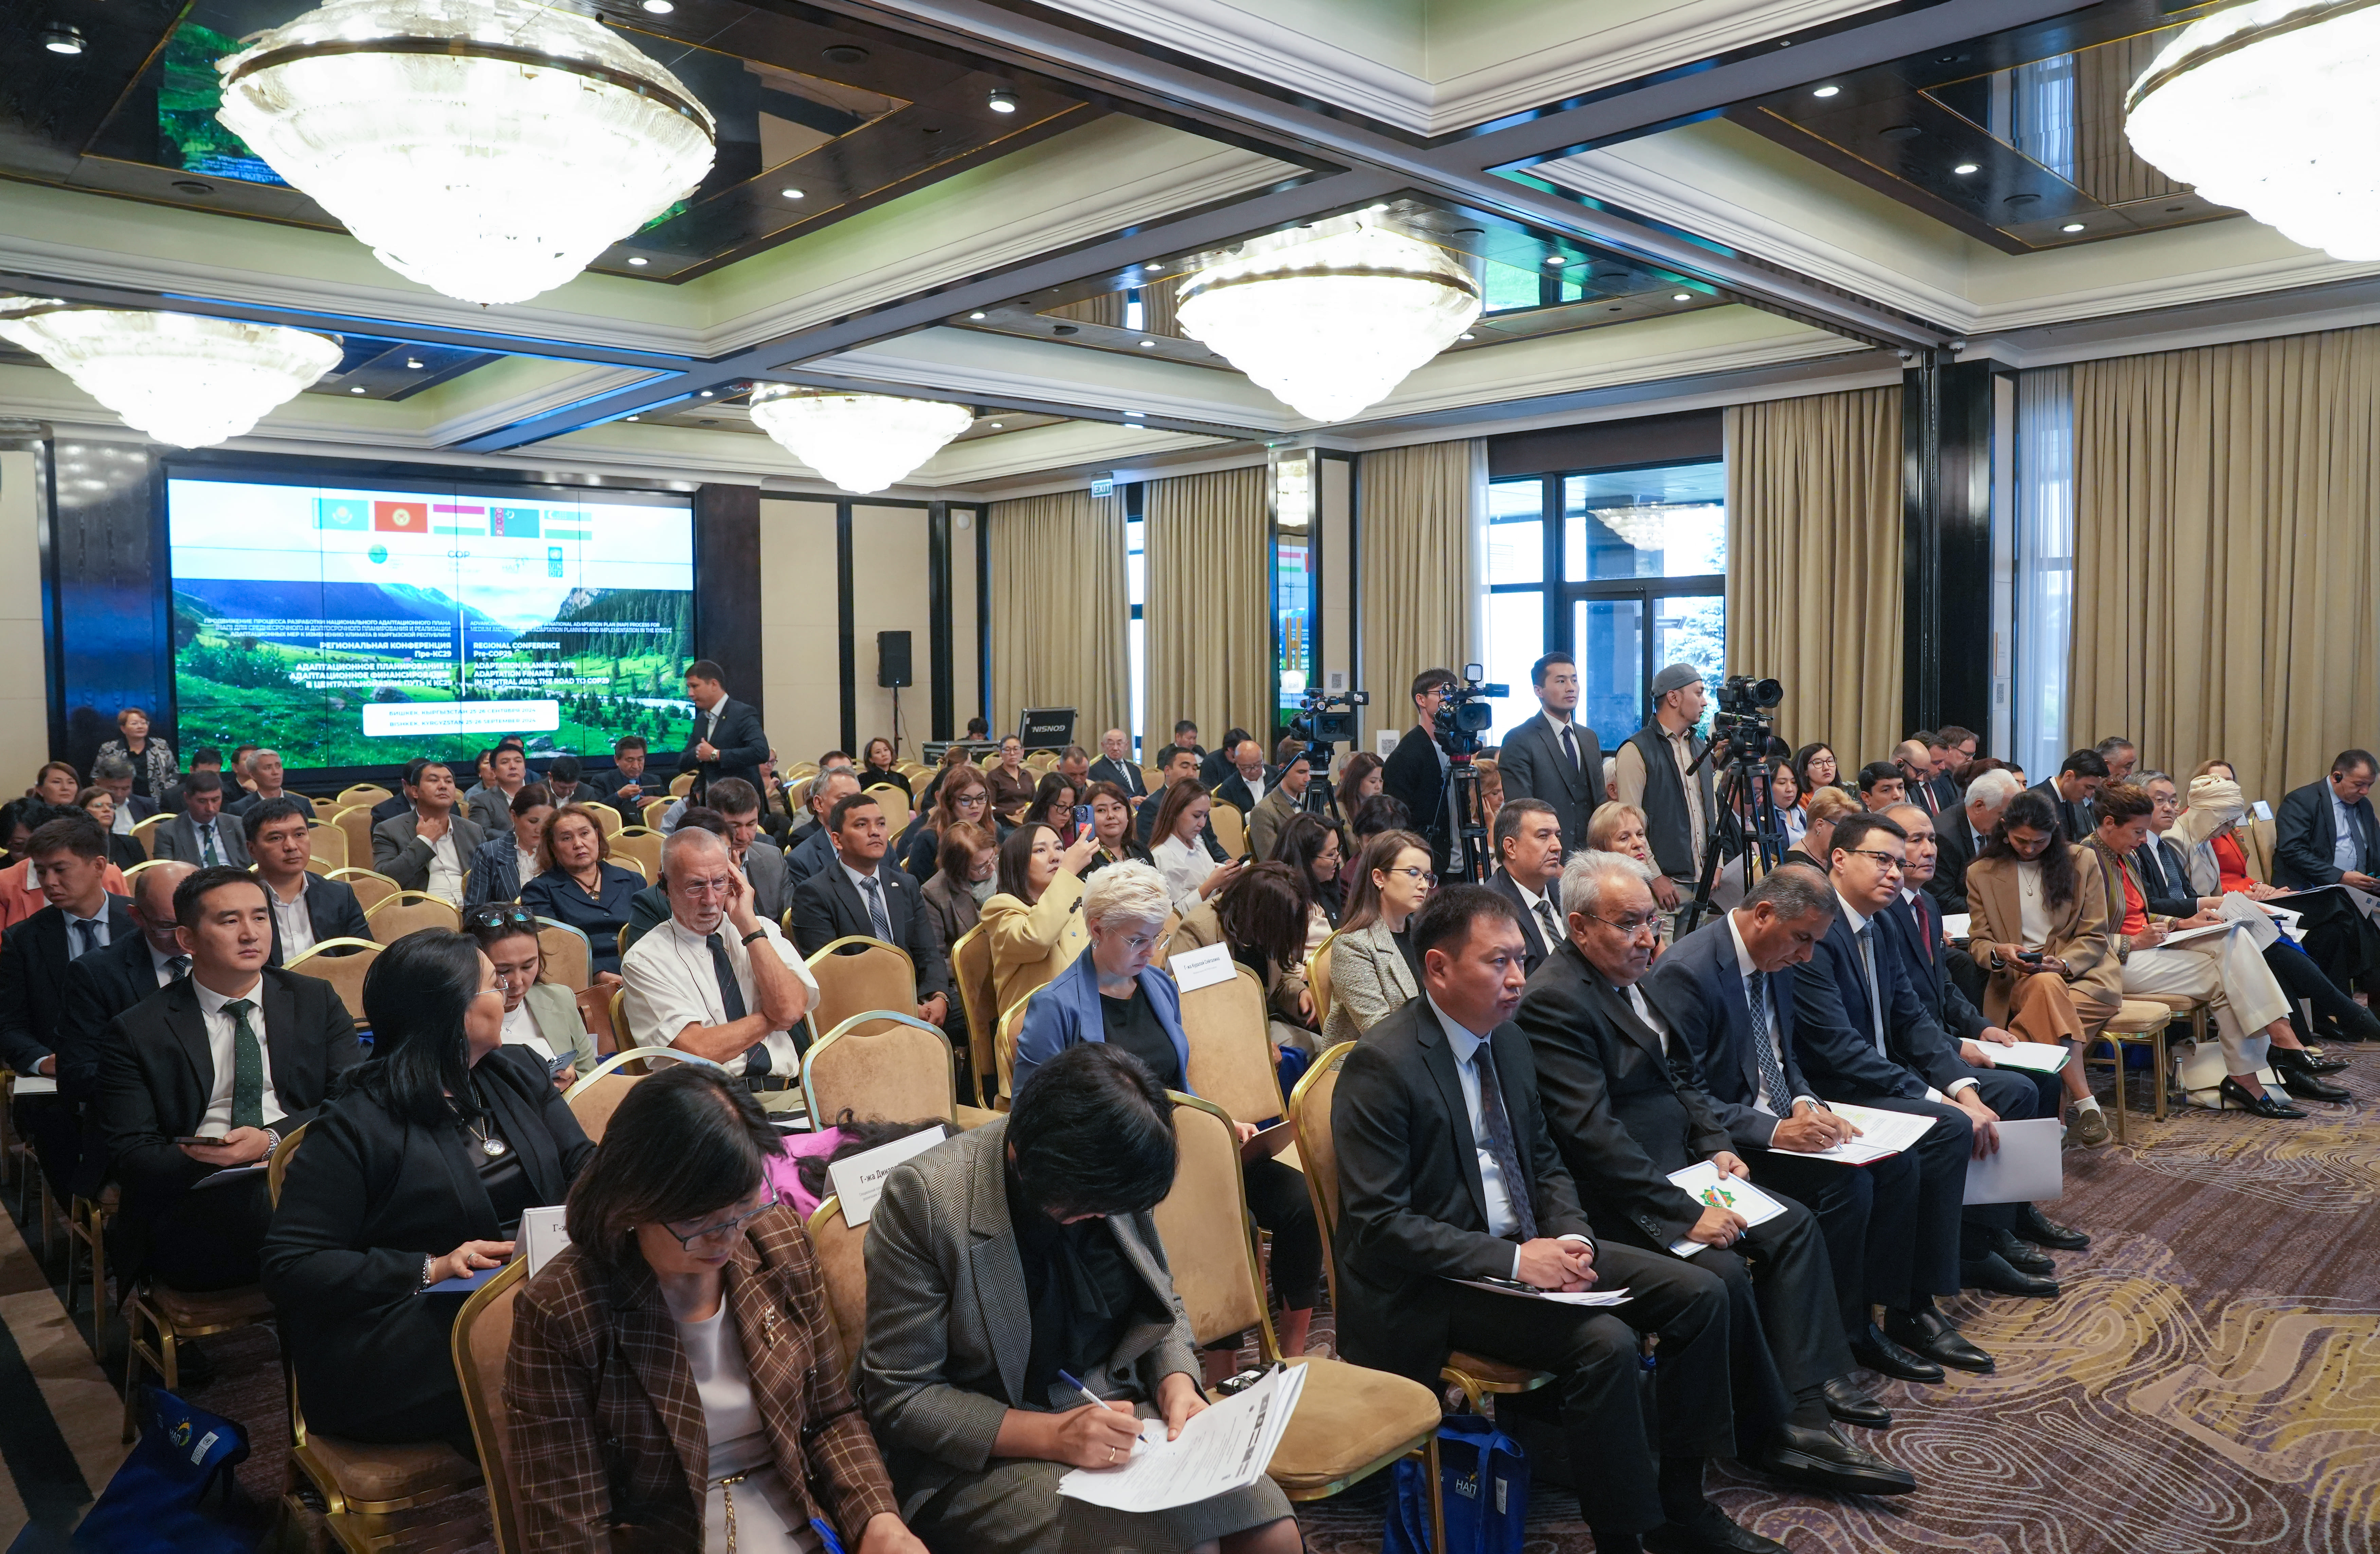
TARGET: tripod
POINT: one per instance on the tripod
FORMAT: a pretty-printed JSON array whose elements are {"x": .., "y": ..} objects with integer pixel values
[
  {"x": 1466, "y": 831},
  {"x": 1768, "y": 838}
]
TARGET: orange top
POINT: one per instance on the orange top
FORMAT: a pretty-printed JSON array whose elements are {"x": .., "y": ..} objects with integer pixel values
[
  {"x": 2136, "y": 908},
  {"x": 2231, "y": 862},
  {"x": 20, "y": 895}
]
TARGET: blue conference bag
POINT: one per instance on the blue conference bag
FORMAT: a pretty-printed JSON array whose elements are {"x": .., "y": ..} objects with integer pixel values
[{"x": 1484, "y": 1480}]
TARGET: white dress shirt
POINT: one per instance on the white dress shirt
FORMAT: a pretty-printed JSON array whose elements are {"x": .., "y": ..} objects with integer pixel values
[
  {"x": 295, "y": 925},
  {"x": 1754, "y": 999},
  {"x": 78, "y": 939},
  {"x": 162, "y": 962},
  {"x": 1464, "y": 1045},
  {"x": 445, "y": 881},
  {"x": 1185, "y": 867},
  {"x": 524, "y": 863},
  {"x": 2346, "y": 848},
  {"x": 672, "y": 984},
  {"x": 221, "y": 1029},
  {"x": 204, "y": 832}
]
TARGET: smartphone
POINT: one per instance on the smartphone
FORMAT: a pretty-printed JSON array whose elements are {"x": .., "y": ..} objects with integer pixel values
[
  {"x": 2031, "y": 957},
  {"x": 1082, "y": 817},
  {"x": 203, "y": 1138}
]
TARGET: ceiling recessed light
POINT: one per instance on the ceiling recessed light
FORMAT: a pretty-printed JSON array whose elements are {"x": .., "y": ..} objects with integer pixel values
[
  {"x": 632, "y": 418},
  {"x": 1466, "y": 335},
  {"x": 1826, "y": 92},
  {"x": 1002, "y": 101},
  {"x": 995, "y": 425},
  {"x": 2072, "y": 226},
  {"x": 1964, "y": 168},
  {"x": 1148, "y": 344},
  {"x": 844, "y": 54},
  {"x": 977, "y": 316},
  {"x": 192, "y": 186},
  {"x": 1681, "y": 296},
  {"x": 63, "y": 39},
  {"x": 660, "y": 7},
  {"x": 705, "y": 394},
  {"x": 790, "y": 193},
  {"x": 637, "y": 259},
  {"x": 357, "y": 390},
  {"x": 1556, "y": 260},
  {"x": 413, "y": 364},
  {"x": 1133, "y": 415}
]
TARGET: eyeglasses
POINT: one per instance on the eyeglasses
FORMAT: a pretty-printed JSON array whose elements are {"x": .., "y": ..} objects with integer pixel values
[
  {"x": 1891, "y": 863},
  {"x": 1630, "y": 927},
  {"x": 499, "y": 915},
  {"x": 1424, "y": 875},
  {"x": 724, "y": 1228}
]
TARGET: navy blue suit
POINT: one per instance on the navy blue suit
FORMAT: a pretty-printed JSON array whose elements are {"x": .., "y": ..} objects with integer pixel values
[
  {"x": 1867, "y": 1214},
  {"x": 1928, "y": 964}
]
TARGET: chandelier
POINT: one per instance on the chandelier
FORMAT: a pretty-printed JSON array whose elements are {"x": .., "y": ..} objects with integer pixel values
[
  {"x": 488, "y": 148},
  {"x": 185, "y": 379},
  {"x": 1329, "y": 318},
  {"x": 860, "y": 441},
  {"x": 2269, "y": 107}
]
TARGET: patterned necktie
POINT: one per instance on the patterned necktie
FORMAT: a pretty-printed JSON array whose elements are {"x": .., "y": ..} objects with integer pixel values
[
  {"x": 731, "y": 1002},
  {"x": 207, "y": 846},
  {"x": 86, "y": 937},
  {"x": 1497, "y": 1128},
  {"x": 1546, "y": 921},
  {"x": 246, "y": 1067},
  {"x": 1764, "y": 1043},
  {"x": 1570, "y": 744},
  {"x": 179, "y": 965},
  {"x": 1866, "y": 937},
  {"x": 874, "y": 890}
]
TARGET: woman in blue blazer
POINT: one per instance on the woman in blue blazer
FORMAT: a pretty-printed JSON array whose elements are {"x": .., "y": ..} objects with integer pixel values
[{"x": 1111, "y": 993}]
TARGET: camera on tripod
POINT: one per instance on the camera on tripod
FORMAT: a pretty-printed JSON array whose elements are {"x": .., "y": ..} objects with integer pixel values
[
  {"x": 1325, "y": 719},
  {"x": 1745, "y": 723},
  {"x": 1463, "y": 713}
]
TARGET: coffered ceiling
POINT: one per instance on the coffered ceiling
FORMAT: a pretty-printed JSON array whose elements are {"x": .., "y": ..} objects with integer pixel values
[{"x": 1663, "y": 204}]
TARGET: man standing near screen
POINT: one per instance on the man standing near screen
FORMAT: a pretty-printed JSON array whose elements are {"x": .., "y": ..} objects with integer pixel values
[
  {"x": 727, "y": 740},
  {"x": 424, "y": 848}
]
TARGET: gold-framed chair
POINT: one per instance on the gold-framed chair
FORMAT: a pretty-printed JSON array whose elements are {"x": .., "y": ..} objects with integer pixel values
[
  {"x": 409, "y": 912},
  {"x": 1012, "y": 1025},
  {"x": 140, "y": 869},
  {"x": 2140, "y": 1023},
  {"x": 355, "y": 822},
  {"x": 342, "y": 963},
  {"x": 681, "y": 784},
  {"x": 1350, "y": 1421},
  {"x": 371, "y": 887},
  {"x": 1230, "y": 827},
  {"x": 25, "y": 1168},
  {"x": 884, "y": 1065},
  {"x": 607, "y": 819},
  {"x": 642, "y": 843},
  {"x": 650, "y": 812},
  {"x": 1318, "y": 979},
  {"x": 568, "y": 955},
  {"x": 483, "y": 1335},
  {"x": 601, "y": 1088},
  {"x": 1161, "y": 957},
  {"x": 327, "y": 845},
  {"x": 363, "y": 794},
  {"x": 1228, "y": 1031},
  {"x": 857, "y": 972},
  {"x": 634, "y": 864},
  {"x": 145, "y": 831},
  {"x": 1309, "y": 1119},
  {"x": 842, "y": 1250},
  {"x": 86, "y": 1221},
  {"x": 595, "y": 1013},
  {"x": 971, "y": 969},
  {"x": 895, "y": 804}
]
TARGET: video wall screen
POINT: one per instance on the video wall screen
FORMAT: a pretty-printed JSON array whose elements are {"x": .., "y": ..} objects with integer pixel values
[{"x": 362, "y": 625}]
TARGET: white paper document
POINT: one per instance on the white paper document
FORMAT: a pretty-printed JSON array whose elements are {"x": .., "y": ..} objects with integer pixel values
[
  {"x": 1227, "y": 1446},
  {"x": 2190, "y": 936},
  {"x": 1881, "y": 1133},
  {"x": 1955, "y": 923},
  {"x": 1560, "y": 1297},
  {"x": 541, "y": 1236},
  {"x": 2024, "y": 1168},
  {"x": 1202, "y": 967},
  {"x": 859, "y": 1179},
  {"x": 33, "y": 1084},
  {"x": 1704, "y": 1183},
  {"x": 2042, "y": 1057}
]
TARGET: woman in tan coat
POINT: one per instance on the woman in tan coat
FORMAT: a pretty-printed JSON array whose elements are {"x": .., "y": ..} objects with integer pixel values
[{"x": 1034, "y": 919}]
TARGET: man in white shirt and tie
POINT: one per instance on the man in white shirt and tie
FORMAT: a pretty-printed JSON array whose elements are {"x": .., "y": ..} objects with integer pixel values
[
  {"x": 717, "y": 979},
  {"x": 1527, "y": 839},
  {"x": 69, "y": 861},
  {"x": 199, "y": 834}
]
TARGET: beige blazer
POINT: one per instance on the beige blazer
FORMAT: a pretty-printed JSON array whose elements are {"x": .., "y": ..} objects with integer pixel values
[
  {"x": 2080, "y": 934},
  {"x": 1031, "y": 944}
]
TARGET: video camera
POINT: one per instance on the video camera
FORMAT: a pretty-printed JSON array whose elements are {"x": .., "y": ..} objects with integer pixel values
[
  {"x": 1325, "y": 719},
  {"x": 1463, "y": 713},
  {"x": 1745, "y": 723}
]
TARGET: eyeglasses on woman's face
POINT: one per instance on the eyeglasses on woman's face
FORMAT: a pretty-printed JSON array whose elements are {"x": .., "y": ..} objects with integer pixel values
[
  {"x": 1410, "y": 872},
  {"x": 720, "y": 1229}
]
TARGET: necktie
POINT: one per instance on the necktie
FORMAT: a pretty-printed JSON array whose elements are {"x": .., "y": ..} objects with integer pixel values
[
  {"x": 731, "y": 1002},
  {"x": 246, "y": 1067},
  {"x": 874, "y": 890},
  {"x": 86, "y": 937},
  {"x": 1764, "y": 1044},
  {"x": 1498, "y": 1127},
  {"x": 1924, "y": 927},
  {"x": 1546, "y": 921},
  {"x": 207, "y": 845},
  {"x": 1570, "y": 746},
  {"x": 177, "y": 967},
  {"x": 1867, "y": 963}
]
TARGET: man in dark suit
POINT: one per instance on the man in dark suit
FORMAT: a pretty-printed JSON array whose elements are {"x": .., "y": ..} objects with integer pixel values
[
  {"x": 70, "y": 860},
  {"x": 1727, "y": 991},
  {"x": 727, "y": 740},
  {"x": 1180, "y": 765},
  {"x": 307, "y": 909},
  {"x": 206, "y": 757},
  {"x": 1415, "y": 773},
  {"x": 133, "y": 968},
  {"x": 1115, "y": 764},
  {"x": 861, "y": 896},
  {"x": 1248, "y": 783},
  {"x": 1621, "y": 1105},
  {"x": 1915, "y": 761},
  {"x": 1527, "y": 839},
  {"x": 268, "y": 770},
  {"x": 2324, "y": 835},
  {"x": 1447, "y": 1174},
  {"x": 1960, "y": 833},
  {"x": 1552, "y": 757},
  {"x": 114, "y": 775},
  {"x": 427, "y": 846},
  {"x": 199, "y": 834},
  {"x": 2070, "y": 793},
  {"x": 813, "y": 853},
  {"x": 762, "y": 861},
  {"x": 1867, "y": 1039},
  {"x": 238, "y": 1052}
]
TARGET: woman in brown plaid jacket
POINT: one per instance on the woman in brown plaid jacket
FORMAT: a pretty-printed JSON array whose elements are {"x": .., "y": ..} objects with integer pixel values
[{"x": 672, "y": 1380}]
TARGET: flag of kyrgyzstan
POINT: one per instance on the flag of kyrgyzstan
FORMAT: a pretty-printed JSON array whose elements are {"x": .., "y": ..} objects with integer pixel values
[{"x": 401, "y": 518}]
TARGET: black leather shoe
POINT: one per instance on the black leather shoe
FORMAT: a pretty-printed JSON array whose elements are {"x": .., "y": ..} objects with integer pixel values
[
  {"x": 1930, "y": 1333},
  {"x": 1881, "y": 1354},
  {"x": 2018, "y": 1255},
  {"x": 1819, "y": 1459},
  {"x": 2305, "y": 1086},
  {"x": 2032, "y": 1225},
  {"x": 1991, "y": 1272},
  {"x": 2287, "y": 1059},
  {"x": 1851, "y": 1406},
  {"x": 1708, "y": 1531},
  {"x": 2232, "y": 1093}
]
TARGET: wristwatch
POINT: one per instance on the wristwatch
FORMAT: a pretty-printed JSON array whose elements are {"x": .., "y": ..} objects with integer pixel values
[{"x": 756, "y": 933}]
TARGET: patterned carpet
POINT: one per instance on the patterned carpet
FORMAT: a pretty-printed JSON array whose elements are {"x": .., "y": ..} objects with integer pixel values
[{"x": 2209, "y": 1379}]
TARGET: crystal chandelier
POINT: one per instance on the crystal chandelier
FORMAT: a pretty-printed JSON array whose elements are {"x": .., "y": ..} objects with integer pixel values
[
  {"x": 2269, "y": 107},
  {"x": 488, "y": 148},
  {"x": 860, "y": 441},
  {"x": 185, "y": 379},
  {"x": 1330, "y": 318}
]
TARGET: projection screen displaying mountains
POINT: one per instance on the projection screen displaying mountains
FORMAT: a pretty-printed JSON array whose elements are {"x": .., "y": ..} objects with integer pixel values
[{"x": 349, "y": 626}]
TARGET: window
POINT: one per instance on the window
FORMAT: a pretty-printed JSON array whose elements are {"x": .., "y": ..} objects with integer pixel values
[
  {"x": 1625, "y": 569},
  {"x": 1136, "y": 583},
  {"x": 2045, "y": 564}
]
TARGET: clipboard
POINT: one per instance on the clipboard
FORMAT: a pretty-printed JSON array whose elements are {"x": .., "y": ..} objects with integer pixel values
[{"x": 1266, "y": 1143}]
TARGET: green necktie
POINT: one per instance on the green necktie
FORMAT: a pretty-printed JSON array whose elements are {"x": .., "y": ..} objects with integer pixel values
[
  {"x": 207, "y": 847},
  {"x": 247, "y": 1068}
]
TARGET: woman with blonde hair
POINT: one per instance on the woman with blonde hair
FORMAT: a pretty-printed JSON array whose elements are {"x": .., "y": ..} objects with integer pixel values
[{"x": 1820, "y": 810}]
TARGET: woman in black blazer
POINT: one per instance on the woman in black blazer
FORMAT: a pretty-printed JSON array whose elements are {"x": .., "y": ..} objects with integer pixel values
[{"x": 415, "y": 1174}]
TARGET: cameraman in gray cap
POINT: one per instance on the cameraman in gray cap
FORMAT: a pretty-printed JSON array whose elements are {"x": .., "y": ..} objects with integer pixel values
[{"x": 1650, "y": 774}]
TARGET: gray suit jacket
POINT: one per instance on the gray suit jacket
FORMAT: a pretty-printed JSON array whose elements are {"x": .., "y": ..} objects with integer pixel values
[
  {"x": 1272, "y": 813},
  {"x": 401, "y": 854},
  {"x": 1532, "y": 766},
  {"x": 178, "y": 838},
  {"x": 764, "y": 866},
  {"x": 1370, "y": 981},
  {"x": 949, "y": 1324}
]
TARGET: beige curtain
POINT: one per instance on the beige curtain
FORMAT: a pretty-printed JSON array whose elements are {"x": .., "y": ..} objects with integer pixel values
[
  {"x": 1416, "y": 572},
  {"x": 2225, "y": 554},
  {"x": 1059, "y": 616},
  {"x": 1204, "y": 611},
  {"x": 1814, "y": 544}
]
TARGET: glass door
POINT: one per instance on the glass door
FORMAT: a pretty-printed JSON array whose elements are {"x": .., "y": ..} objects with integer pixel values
[{"x": 1607, "y": 639}]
